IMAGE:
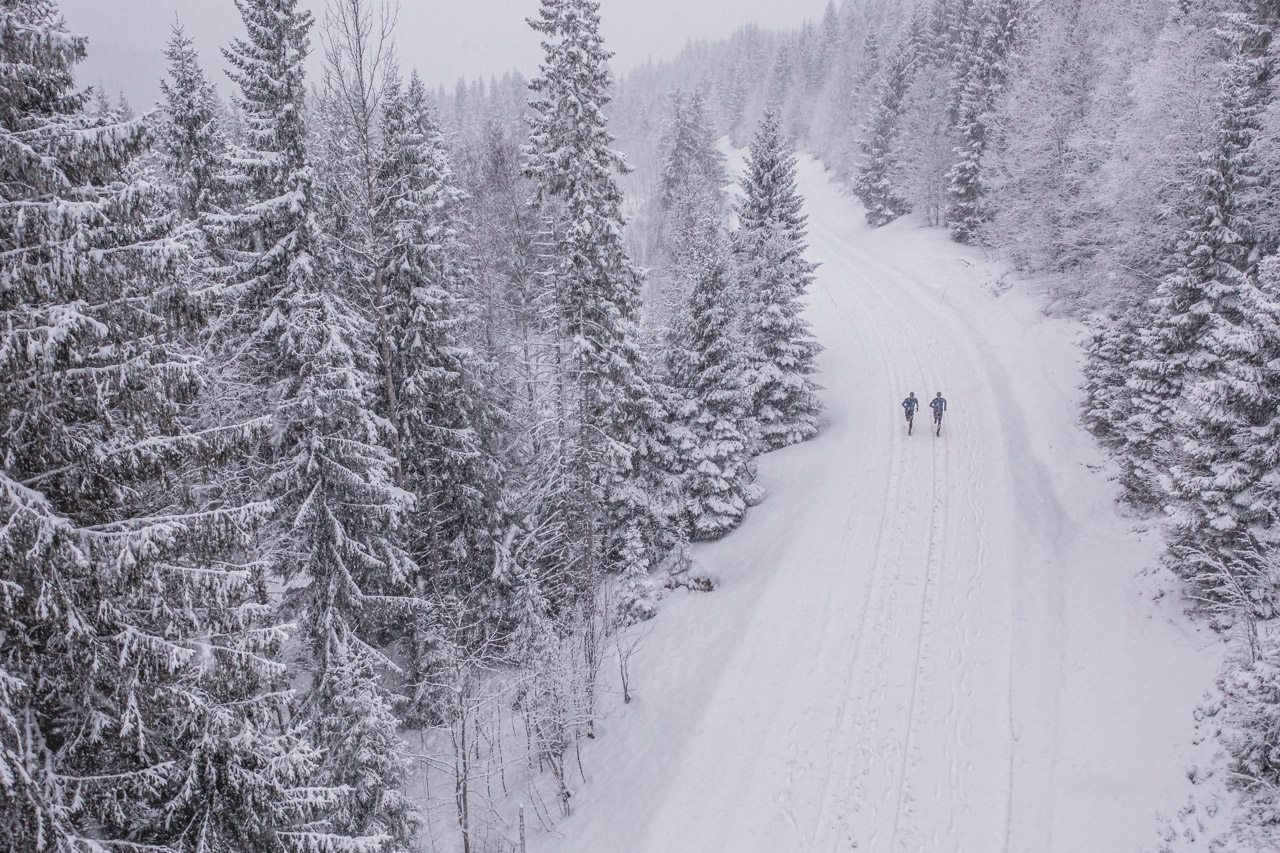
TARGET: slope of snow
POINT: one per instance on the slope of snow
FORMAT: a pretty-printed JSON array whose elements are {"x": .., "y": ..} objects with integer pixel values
[{"x": 918, "y": 643}]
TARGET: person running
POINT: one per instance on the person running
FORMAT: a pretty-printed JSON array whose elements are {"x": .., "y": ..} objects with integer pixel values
[
  {"x": 910, "y": 405},
  {"x": 939, "y": 405}
]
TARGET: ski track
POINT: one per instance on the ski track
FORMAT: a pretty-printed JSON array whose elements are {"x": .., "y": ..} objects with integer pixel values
[{"x": 898, "y": 632}]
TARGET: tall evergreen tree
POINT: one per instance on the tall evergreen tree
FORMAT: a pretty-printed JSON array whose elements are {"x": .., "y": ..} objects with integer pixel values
[
  {"x": 138, "y": 674},
  {"x": 1215, "y": 261},
  {"x": 1228, "y": 391},
  {"x": 688, "y": 149},
  {"x": 1110, "y": 403},
  {"x": 393, "y": 207},
  {"x": 980, "y": 72},
  {"x": 1229, "y": 475},
  {"x": 190, "y": 135},
  {"x": 445, "y": 418},
  {"x": 875, "y": 183},
  {"x": 710, "y": 375},
  {"x": 610, "y": 438},
  {"x": 339, "y": 515},
  {"x": 771, "y": 245},
  {"x": 444, "y": 415}
]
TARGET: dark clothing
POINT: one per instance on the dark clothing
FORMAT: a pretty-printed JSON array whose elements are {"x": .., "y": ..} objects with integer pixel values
[
  {"x": 939, "y": 405},
  {"x": 911, "y": 404}
]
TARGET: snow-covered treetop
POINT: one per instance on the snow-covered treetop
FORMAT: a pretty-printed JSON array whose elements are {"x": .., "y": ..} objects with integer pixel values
[{"x": 570, "y": 145}]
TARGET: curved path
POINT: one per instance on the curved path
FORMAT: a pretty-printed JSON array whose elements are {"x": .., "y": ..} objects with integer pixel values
[{"x": 919, "y": 643}]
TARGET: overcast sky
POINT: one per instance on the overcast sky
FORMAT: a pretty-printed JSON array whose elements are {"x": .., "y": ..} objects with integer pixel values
[{"x": 443, "y": 39}]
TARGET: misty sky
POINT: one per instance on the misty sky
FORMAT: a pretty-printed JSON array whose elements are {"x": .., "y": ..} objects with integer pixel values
[{"x": 443, "y": 39}]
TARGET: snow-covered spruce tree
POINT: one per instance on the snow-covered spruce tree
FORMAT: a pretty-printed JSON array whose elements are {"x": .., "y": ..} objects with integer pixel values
[
  {"x": 136, "y": 670},
  {"x": 607, "y": 441},
  {"x": 358, "y": 70},
  {"x": 950, "y": 29},
  {"x": 1044, "y": 145},
  {"x": 688, "y": 150},
  {"x": 445, "y": 419},
  {"x": 1109, "y": 403},
  {"x": 1215, "y": 261},
  {"x": 711, "y": 378},
  {"x": 846, "y": 97},
  {"x": 693, "y": 176},
  {"x": 444, "y": 415},
  {"x": 338, "y": 524},
  {"x": 980, "y": 74},
  {"x": 392, "y": 206},
  {"x": 775, "y": 276},
  {"x": 1228, "y": 475},
  {"x": 189, "y": 135},
  {"x": 879, "y": 168}
]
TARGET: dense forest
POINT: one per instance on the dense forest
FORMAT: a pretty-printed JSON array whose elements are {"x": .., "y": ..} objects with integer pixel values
[
  {"x": 292, "y": 466},
  {"x": 351, "y": 429}
]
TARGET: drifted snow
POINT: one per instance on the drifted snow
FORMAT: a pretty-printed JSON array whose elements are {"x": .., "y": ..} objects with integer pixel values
[{"x": 921, "y": 643}]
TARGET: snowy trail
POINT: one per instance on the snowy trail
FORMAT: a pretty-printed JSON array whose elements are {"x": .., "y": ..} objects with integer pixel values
[{"x": 919, "y": 643}]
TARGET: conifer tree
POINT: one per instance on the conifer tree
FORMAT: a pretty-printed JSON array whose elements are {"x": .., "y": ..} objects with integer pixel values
[
  {"x": 1215, "y": 261},
  {"x": 190, "y": 136},
  {"x": 393, "y": 205},
  {"x": 980, "y": 72},
  {"x": 879, "y": 167},
  {"x": 610, "y": 440},
  {"x": 715, "y": 395},
  {"x": 770, "y": 246},
  {"x": 1110, "y": 404},
  {"x": 688, "y": 149},
  {"x": 444, "y": 415},
  {"x": 1229, "y": 475},
  {"x": 338, "y": 514},
  {"x": 139, "y": 674}
]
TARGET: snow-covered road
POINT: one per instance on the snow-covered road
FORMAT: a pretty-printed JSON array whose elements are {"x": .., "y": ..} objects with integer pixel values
[{"x": 919, "y": 643}]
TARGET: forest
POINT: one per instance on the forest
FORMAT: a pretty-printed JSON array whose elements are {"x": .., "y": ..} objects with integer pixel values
[{"x": 352, "y": 430}]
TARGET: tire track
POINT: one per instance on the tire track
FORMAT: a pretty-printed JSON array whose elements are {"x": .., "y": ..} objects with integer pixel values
[
  {"x": 928, "y": 607},
  {"x": 827, "y": 805},
  {"x": 908, "y": 288},
  {"x": 894, "y": 567}
]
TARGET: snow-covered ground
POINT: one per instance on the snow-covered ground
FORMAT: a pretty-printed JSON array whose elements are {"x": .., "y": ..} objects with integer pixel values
[{"x": 918, "y": 643}]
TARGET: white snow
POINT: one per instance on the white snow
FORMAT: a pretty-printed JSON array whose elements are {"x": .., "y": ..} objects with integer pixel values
[{"x": 918, "y": 643}]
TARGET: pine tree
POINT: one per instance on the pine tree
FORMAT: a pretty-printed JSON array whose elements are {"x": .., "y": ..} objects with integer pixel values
[
  {"x": 338, "y": 514},
  {"x": 1229, "y": 475},
  {"x": 1110, "y": 404},
  {"x": 950, "y": 30},
  {"x": 688, "y": 149},
  {"x": 445, "y": 419},
  {"x": 980, "y": 73},
  {"x": 715, "y": 460},
  {"x": 190, "y": 136},
  {"x": 356, "y": 723},
  {"x": 771, "y": 245},
  {"x": 1043, "y": 146},
  {"x": 878, "y": 171},
  {"x": 444, "y": 416},
  {"x": 393, "y": 207},
  {"x": 610, "y": 438},
  {"x": 138, "y": 675},
  {"x": 1215, "y": 261}
]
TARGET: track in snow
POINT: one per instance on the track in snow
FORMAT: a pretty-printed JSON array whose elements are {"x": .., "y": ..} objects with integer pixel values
[{"x": 920, "y": 643}]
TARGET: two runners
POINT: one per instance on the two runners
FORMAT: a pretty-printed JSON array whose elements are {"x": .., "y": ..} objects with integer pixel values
[{"x": 938, "y": 404}]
